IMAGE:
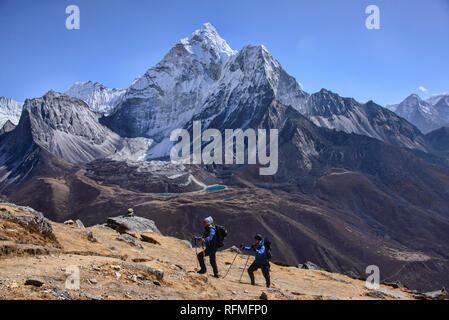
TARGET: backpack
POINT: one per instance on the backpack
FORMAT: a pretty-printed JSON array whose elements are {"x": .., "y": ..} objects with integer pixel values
[
  {"x": 267, "y": 244},
  {"x": 221, "y": 233}
]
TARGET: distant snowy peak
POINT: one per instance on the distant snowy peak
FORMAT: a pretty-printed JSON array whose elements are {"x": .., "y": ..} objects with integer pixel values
[
  {"x": 329, "y": 110},
  {"x": 413, "y": 104},
  {"x": 439, "y": 98},
  {"x": 325, "y": 103},
  {"x": 10, "y": 110},
  {"x": 98, "y": 97},
  {"x": 392, "y": 107},
  {"x": 427, "y": 115}
]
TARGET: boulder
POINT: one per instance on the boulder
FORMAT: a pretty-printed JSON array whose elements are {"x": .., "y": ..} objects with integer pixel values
[
  {"x": 61, "y": 294},
  {"x": 148, "y": 239},
  {"x": 32, "y": 223},
  {"x": 137, "y": 224},
  {"x": 69, "y": 222},
  {"x": 395, "y": 285},
  {"x": 233, "y": 249},
  {"x": 310, "y": 266},
  {"x": 338, "y": 279},
  {"x": 36, "y": 282},
  {"x": 382, "y": 293},
  {"x": 103, "y": 226},
  {"x": 353, "y": 275},
  {"x": 263, "y": 296},
  {"x": 129, "y": 239},
  {"x": 434, "y": 295},
  {"x": 80, "y": 224},
  {"x": 24, "y": 208},
  {"x": 188, "y": 243},
  {"x": 158, "y": 273},
  {"x": 91, "y": 237},
  {"x": 91, "y": 296}
]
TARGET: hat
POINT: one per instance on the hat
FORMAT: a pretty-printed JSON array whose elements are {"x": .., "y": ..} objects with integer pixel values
[
  {"x": 209, "y": 220},
  {"x": 258, "y": 237}
]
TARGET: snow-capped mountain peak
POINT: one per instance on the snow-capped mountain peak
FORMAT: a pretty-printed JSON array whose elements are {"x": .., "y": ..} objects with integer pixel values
[
  {"x": 10, "y": 110},
  {"x": 206, "y": 41},
  {"x": 171, "y": 92},
  {"x": 427, "y": 115},
  {"x": 98, "y": 97},
  {"x": 437, "y": 98},
  {"x": 412, "y": 104}
]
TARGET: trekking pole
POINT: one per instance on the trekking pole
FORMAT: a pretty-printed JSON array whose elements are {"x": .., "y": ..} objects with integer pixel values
[
  {"x": 202, "y": 252},
  {"x": 196, "y": 256},
  {"x": 231, "y": 265},
  {"x": 244, "y": 268}
]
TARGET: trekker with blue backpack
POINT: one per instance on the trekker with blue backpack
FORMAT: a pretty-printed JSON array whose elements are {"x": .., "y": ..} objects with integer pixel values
[
  {"x": 212, "y": 239},
  {"x": 262, "y": 249}
]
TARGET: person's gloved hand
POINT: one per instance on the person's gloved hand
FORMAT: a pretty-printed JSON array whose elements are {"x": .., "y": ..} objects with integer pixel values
[
  {"x": 242, "y": 246},
  {"x": 253, "y": 247}
]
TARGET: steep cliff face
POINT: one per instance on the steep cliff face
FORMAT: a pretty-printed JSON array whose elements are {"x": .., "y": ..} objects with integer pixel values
[
  {"x": 65, "y": 128},
  {"x": 7, "y": 127}
]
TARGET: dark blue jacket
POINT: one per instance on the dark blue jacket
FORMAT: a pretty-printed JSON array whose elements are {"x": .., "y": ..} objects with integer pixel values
[
  {"x": 210, "y": 237},
  {"x": 260, "y": 253}
]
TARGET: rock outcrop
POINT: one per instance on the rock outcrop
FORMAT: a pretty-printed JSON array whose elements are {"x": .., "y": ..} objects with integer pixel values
[
  {"x": 32, "y": 223},
  {"x": 126, "y": 223}
]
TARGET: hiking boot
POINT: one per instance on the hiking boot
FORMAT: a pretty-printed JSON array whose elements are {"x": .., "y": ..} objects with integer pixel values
[
  {"x": 216, "y": 275},
  {"x": 202, "y": 271}
]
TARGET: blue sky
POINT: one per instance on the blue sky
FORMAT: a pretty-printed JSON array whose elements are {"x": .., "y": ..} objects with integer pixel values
[{"x": 323, "y": 44}]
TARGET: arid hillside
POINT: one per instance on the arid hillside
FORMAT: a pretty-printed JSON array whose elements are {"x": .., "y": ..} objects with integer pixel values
[{"x": 37, "y": 255}]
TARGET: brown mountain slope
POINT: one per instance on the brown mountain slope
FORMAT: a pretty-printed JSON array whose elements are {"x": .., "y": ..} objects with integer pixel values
[
  {"x": 112, "y": 269},
  {"x": 348, "y": 222}
]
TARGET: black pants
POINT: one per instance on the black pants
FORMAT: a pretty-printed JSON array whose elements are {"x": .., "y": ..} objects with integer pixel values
[
  {"x": 265, "y": 271},
  {"x": 209, "y": 252}
]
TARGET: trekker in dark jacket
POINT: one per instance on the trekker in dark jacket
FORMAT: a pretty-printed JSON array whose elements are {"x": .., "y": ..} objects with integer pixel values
[
  {"x": 210, "y": 240},
  {"x": 261, "y": 261}
]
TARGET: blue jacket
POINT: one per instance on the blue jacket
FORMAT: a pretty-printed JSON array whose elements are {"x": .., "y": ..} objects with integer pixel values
[
  {"x": 210, "y": 237},
  {"x": 260, "y": 253}
]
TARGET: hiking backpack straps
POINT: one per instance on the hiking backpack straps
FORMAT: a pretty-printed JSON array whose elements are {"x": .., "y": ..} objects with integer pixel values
[
  {"x": 267, "y": 244},
  {"x": 221, "y": 233}
]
